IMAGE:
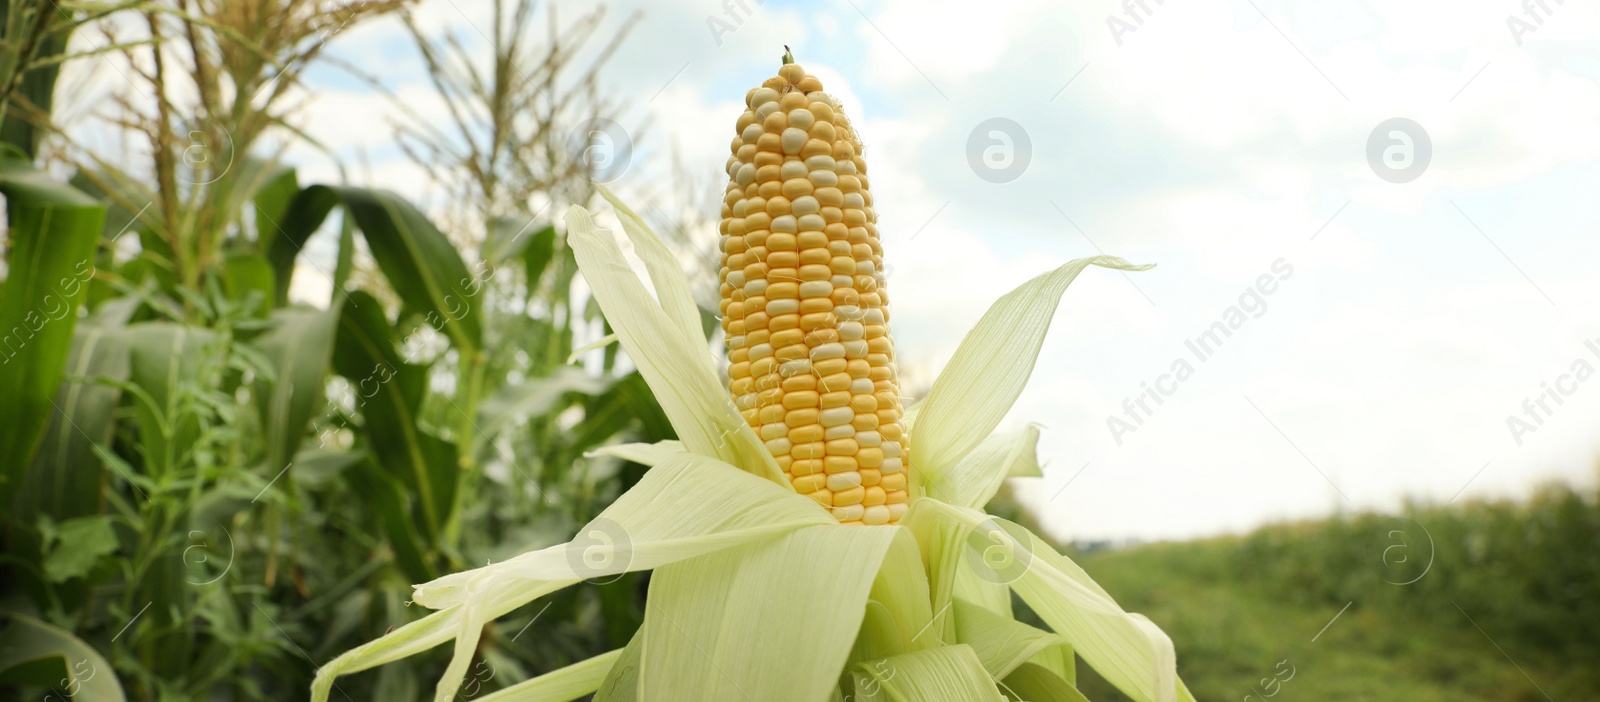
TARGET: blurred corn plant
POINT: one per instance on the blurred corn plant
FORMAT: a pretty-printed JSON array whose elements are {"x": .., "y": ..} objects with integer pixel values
[
  {"x": 208, "y": 486},
  {"x": 34, "y": 35},
  {"x": 517, "y": 141}
]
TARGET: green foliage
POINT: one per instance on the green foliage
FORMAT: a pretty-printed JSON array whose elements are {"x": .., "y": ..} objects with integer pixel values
[
  {"x": 252, "y": 459},
  {"x": 210, "y": 483},
  {"x": 45, "y": 656},
  {"x": 53, "y": 232},
  {"x": 1525, "y": 570},
  {"x": 73, "y": 547},
  {"x": 66, "y": 474},
  {"x": 1238, "y": 606}
]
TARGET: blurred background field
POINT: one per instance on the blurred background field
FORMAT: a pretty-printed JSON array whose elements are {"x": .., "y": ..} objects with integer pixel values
[
  {"x": 255, "y": 386},
  {"x": 1476, "y": 601}
]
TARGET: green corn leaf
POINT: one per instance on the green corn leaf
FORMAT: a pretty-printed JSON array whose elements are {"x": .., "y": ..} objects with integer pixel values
[
  {"x": 49, "y": 262},
  {"x": 389, "y": 394},
  {"x": 537, "y": 256},
  {"x": 418, "y": 260},
  {"x": 299, "y": 346},
  {"x": 387, "y": 496},
  {"x": 991, "y": 366},
  {"x": 534, "y": 397},
  {"x": 625, "y": 404},
  {"x": 424, "y": 266},
  {"x": 649, "y": 422},
  {"x": 249, "y": 177},
  {"x": 67, "y": 477},
  {"x": 346, "y": 262},
  {"x": 36, "y": 85},
  {"x": 42, "y": 654},
  {"x": 278, "y": 188},
  {"x": 162, "y": 357},
  {"x": 509, "y": 237},
  {"x": 247, "y": 274},
  {"x": 120, "y": 218},
  {"x": 420, "y": 263},
  {"x": 284, "y": 228}
]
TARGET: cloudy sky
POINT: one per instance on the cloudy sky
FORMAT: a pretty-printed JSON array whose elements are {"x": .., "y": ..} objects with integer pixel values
[{"x": 1415, "y": 180}]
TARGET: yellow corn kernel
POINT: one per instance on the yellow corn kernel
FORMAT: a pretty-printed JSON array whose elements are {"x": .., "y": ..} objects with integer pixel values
[{"x": 803, "y": 302}]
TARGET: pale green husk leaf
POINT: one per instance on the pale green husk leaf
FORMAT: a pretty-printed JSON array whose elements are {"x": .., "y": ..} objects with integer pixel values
[
  {"x": 1032, "y": 682},
  {"x": 679, "y": 371},
  {"x": 1058, "y": 660},
  {"x": 666, "y": 274},
  {"x": 622, "y": 681},
  {"x": 661, "y": 521},
  {"x": 991, "y": 366},
  {"x": 899, "y": 615},
  {"x": 766, "y": 620},
  {"x": 644, "y": 454},
  {"x": 1002, "y": 643},
  {"x": 664, "y": 519},
  {"x": 943, "y": 674},
  {"x": 992, "y": 596},
  {"x": 567, "y": 683},
  {"x": 1126, "y": 649},
  {"x": 973, "y": 480},
  {"x": 599, "y": 343}
]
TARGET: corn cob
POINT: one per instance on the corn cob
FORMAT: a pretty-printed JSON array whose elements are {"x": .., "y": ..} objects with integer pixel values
[{"x": 804, "y": 309}]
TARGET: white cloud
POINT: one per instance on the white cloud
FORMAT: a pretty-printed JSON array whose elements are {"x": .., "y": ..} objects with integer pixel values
[{"x": 1209, "y": 144}]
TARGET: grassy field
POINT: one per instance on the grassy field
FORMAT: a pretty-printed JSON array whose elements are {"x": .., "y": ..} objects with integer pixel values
[{"x": 1240, "y": 621}]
